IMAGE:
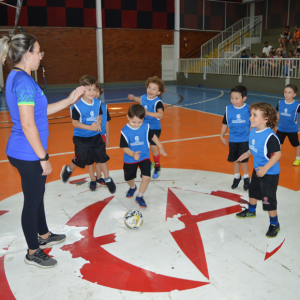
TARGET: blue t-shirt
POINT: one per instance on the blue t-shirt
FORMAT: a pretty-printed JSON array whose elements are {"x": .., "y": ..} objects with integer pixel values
[
  {"x": 151, "y": 105},
  {"x": 238, "y": 121},
  {"x": 258, "y": 141},
  {"x": 288, "y": 116},
  {"x": 86, "y": 114},
  {"x": 21, "y": 89},
  {"x": 137, "y": 140}
]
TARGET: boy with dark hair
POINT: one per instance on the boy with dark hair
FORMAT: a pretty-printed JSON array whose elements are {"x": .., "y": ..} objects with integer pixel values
[
  {"x": 287, "y": 116},
  {"x": 89, "y": 146},
  {"x": 154, "y": 113},
  {"x": 236, "y": 118},
  {"x": 135, "y": 139}
]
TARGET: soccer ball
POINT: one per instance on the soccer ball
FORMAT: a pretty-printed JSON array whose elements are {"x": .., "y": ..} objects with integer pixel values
[{"x": 133, "y": 219}]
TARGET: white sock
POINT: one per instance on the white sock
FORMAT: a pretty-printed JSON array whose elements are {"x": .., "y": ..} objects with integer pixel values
[
  {"x": 298, "y": 157},
  {"x": 140, "y": 194},
  {"x": 69, "y": 169},
  {"x": 246, "y": 176},
  {"x": 237, "y": 176}
]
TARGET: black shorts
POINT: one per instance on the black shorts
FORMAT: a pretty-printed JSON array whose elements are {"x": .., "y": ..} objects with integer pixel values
[
  {"x": 236, "y": 150},
  {"x": 89, "y": 150},
  {"x": 157, "y": 133},
  {"x": 264, "y": 188},
  {"x": 293, "y": 137},
  {"x": 130, "y": 169}
]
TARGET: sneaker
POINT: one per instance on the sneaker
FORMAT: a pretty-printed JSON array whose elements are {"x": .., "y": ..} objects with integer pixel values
[
  {"x": 236, "y": 183},
  {"x": 273, "y": 231},
  {"x": 111, "y": 185},
  {"x": 65, "y": 174},
  {"x": 93, "y": 185},
  {"x": 141, "y": 201},
  {"x": 296, "y": 162},
  {"x": 246, "y": 214},
  {"x": 156, "y": 172},
  {"x": 101, "y": 181},
  {"x": 40, "y": 259},
  {"x": 52, "y": 239},
  {"x": 246, "y": 184},
  {"x": 131, "y": 192}
]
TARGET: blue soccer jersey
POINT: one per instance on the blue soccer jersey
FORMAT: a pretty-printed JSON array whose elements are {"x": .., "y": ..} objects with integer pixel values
[
  {"x": 151, "y": 105},
  {"x": 288, "y": 116},
  {"x": 137, "y": 140},
  {"x": 86, "y": 114},
  {"x": 258, "y": 146},
  {"x": 238, "y": 121}
]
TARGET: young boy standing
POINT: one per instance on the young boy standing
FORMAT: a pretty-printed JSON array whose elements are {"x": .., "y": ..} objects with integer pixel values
[
  {"x": 135, "y": 139},
  {"x": 89, "y": 146},
  {"x": 237, "y": 120},
  {"x": 105, "y": 137},
  {"x": 265, "y": 147},
  {"x": 154, "y": 113},
  {"x": 287, "y": 115}
]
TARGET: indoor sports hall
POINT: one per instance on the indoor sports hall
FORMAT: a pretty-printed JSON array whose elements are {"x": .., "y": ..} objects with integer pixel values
[{"x": 191, "y": 245}]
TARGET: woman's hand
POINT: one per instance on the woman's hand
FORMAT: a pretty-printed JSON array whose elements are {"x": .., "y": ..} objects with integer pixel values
[
  {"x": 46, "y": 166},
  {"x": 75, "y": 95}
]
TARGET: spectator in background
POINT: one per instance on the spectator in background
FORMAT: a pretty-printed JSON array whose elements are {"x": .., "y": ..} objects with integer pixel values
[
  {"x": 267, "y": 48},
  {"x": 252, "y": 65},
  {"x": 285, "y": 37},
  {"x": 296, "y": 37}
]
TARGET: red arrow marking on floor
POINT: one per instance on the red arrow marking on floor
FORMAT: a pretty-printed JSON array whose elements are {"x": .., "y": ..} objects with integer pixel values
[{"x": 108, "y": 270}]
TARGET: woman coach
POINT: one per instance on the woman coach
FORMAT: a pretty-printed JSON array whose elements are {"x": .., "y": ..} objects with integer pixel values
[{"x": 27, "y": 145}]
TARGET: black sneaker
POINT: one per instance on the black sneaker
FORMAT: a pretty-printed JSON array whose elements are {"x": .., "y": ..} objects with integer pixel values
[
  {"x": 273, "y": 231},
  {"x": 246, "y": 184},
  {"x": 236, "y": 183},
  {"x": 93, "y": 185},
  {"x": 65, "y": 174},
  {"x": 111, "y": 185},
  {"x": 51, "y": 240},
  {"x": 40, "y": 259},
  {"x": 246, "y": 213}
]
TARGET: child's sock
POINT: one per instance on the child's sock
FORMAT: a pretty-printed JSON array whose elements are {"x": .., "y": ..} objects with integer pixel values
[
  {"x": 140, "y": 194},
  {"x": 252, "y": 207},
  {"x": 69, "y": 169},
  {"x": 246, "y": 176},
  {"x": 156, "y": 160},
  {"x": 274, "y": 220},
  {"x": 237, "y": 176},
  {"x": 107, "y": 179}
]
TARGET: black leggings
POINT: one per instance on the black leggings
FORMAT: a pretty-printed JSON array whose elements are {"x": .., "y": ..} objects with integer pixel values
[{"x": 33, "y": 214}]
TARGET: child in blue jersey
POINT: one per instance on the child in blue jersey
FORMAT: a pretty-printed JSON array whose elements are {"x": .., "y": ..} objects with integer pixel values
[
  {"x": 89, "y": 145},
  {"x": 135, "y": 141},
  {"x": 237, "y": 120},
  {"x": 264, "y": 145},
  {"x": 154, "y": 113},
  {"x": 287, "y": 116},
  {"x": 105, "y": 137}
]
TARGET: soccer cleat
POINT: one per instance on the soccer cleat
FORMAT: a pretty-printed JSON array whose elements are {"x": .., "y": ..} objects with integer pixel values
[
  {"x": 52, "y": 239},
  {"x": 156, "y": 172},
  {"x": 111, "y": 185},
  {"x": 296, "y": 162},
  {"x": 101, "y": 181},
  {"x": 131, "y": 192},
  {"x": 246, "y": 184},
  {"x": 65, "y": 174},
  {"x": 93, "y": 185},
  {"x": 246, "y": 214},
  {"x": 141, "y": 202},
  {"x": 40, "y": 259},
  {"x": 236, "y": 183},
  {"x": 273, "y": 231}
]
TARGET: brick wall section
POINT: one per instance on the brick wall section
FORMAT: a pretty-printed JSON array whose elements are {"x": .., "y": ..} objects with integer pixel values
[
  {"x": 194, "y": 41},
  {"x": 69, "y": 53},
  {"x": 133, "y": 55}
]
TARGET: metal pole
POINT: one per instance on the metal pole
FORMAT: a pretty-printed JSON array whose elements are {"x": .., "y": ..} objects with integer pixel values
[
  {"x": 99, "y": 38},
  {"x": 176, "y": 37}
]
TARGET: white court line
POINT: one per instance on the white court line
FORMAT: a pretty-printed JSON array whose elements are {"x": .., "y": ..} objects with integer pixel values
[{"x": 164, "y": 142}]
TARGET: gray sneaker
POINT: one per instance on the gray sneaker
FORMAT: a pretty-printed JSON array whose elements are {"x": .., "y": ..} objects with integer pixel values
[
  {"x": 51, "y": 240},
  {"x": 40, "y": 259}
]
